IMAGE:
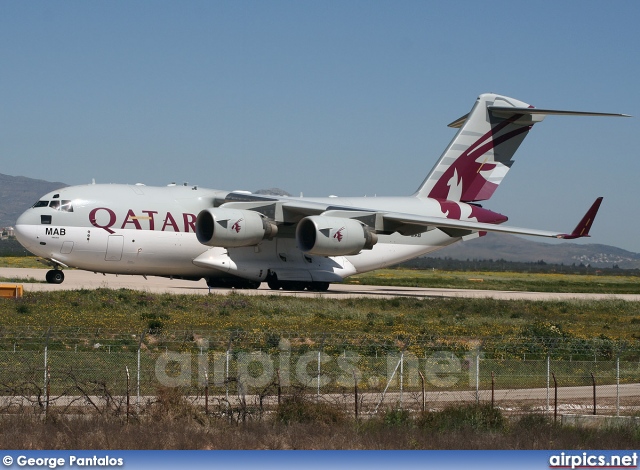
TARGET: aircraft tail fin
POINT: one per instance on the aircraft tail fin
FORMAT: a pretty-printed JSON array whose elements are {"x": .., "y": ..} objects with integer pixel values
[{"x": 480, "y": 154}]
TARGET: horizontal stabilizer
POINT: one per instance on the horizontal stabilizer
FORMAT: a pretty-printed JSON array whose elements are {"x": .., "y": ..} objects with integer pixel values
[{"x": 508, "y": 111}]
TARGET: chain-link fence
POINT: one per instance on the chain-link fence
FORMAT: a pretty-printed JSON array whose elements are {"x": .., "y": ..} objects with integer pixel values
[{"x": 226, "y": 371}]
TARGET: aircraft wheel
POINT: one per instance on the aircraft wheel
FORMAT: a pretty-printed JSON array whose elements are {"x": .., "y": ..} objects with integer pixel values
[
  {"x": 293, "y": 285},
  {"x": 319, "y": 286},
  {"x": 272, "y": 281},
  {"x": 216, "y": 282},
  {"x": 54, "y": 276},
  {"x": 250, "y": 285},
  {"x": 225, "y": 283}
]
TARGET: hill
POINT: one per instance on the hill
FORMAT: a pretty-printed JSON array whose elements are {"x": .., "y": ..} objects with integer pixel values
[
  {"x": 18, "y": 193},
  {"x": 512, "y": 248}
]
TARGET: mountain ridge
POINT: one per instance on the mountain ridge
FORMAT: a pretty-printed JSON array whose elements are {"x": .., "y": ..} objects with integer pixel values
[
  {"x": 18, "y": 193},
  {"x": 513, "y": 248}
]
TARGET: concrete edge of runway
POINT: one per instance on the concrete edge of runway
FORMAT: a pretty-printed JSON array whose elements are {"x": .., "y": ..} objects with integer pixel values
[{"x": 76, "y": 279}]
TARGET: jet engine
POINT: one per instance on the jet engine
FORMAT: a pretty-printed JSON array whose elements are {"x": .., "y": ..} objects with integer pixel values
[
  {"x": 333, "y": 236},
  {"x": 232, "y": 228}
]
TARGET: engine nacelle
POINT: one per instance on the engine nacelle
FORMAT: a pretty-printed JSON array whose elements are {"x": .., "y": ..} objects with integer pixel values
[
  {"x": 232, "y": 228},
  {"x": 333, "y": 236}
]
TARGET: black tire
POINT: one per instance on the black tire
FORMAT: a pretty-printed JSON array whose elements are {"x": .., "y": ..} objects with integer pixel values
[
  {"x": 55, "y": 276},
  {"x": 319, "y": 286},
  {"x": 274, "y": 284},
  {"x": 229, "y": 283},
  {"x": 293, "y": 285},
  {"x": 248, "y": 285}
]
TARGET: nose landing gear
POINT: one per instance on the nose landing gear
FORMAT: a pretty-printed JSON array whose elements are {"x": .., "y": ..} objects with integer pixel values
[{"x": 54, "y": 276}]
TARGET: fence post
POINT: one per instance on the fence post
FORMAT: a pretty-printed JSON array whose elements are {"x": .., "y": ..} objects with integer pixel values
[
  {"x": 423, "y": 392},
  {"x": 548, "y": 370},
  {"x": 355, "y": 390},
  {"x": 45, "y": 382},
  {"x": 128, "y": 392},
  {"x": 206, "y": 393},
  {"x": 401, "y": 375},
  {"x": 493, "y": 388},
  {"x": 318, "y": 385},
  {"x": 555, "y": 399},
  {"x": 226, "y": 376},
  {"x": 319, "y": 367},
  {"x": 618, "y": 386},
  {"x": 48, "y": 392},
  {"x": 138, "y": 372},
  {"x": 385, "y": 389},
  {"x": 47, "y": 377},
  {"x": 279, "y": 386},
  {"x": 477, "y": 378},
  {"x": 226, "y": 372},
  {"x": 593, "y": 379}
]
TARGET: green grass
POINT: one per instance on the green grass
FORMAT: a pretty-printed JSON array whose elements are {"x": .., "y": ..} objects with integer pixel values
[
  {"x": 20, "y": 262},
  {"x": 359, "y": 331},
  {"x": 29, "y": 280},
  {"x": 506, "y": 281},
  {"x": 395, "y": 320}
]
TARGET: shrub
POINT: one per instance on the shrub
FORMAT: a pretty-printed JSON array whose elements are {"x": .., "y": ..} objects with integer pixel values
[
  {"x": 397, "y": 417},
  {"x": 531, "y": 421},
  {"x": 171, "y": 403},
  {"x": 22, "y": 308},
  {"x": 476, "y": 417},
  {"x": 300, "y": 409}
]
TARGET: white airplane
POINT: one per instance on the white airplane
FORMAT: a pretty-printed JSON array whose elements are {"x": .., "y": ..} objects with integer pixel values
[{"x": 238, "y": 239}]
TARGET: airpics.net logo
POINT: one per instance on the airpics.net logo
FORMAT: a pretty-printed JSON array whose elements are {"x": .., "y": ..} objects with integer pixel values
[
  {"x": 587, "y": 460},
  {"x": 257, "y": 369}
]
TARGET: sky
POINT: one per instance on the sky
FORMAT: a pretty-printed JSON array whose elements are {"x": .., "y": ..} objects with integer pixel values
[{"x": 349, "y": 98}]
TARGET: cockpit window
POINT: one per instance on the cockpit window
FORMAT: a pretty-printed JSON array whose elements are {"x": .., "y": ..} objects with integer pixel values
[
  {"x": 57, "y": 205},
  {"x": 66, "y": 206}
]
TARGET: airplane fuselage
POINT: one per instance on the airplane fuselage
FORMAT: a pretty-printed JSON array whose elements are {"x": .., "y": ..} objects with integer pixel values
[{"x": 146, "y": 230}]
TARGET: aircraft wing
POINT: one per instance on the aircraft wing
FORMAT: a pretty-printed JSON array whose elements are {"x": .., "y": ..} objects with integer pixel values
[
  {"x": 458, "y": 227},
  {"x": 290, "y": 210}
]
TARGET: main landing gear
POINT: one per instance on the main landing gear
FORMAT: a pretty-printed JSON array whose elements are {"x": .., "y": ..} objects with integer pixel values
[
  {"x": 232, "y": 283},
  {"x": 275, "y": 284},
  {"x": 54, "y": 276}
]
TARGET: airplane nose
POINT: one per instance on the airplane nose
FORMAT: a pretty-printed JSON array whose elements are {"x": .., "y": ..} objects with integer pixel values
[{"x": 23, "y": 230}]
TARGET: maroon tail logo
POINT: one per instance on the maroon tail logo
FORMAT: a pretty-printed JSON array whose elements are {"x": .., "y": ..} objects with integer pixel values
[
  {"x": 237, "y": 227},
  {"x": 467, "y": 170},
  {"x": 338, "y": 235}
]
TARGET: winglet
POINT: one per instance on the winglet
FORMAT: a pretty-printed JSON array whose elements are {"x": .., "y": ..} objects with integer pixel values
[{"x": 582, "y": 229}]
